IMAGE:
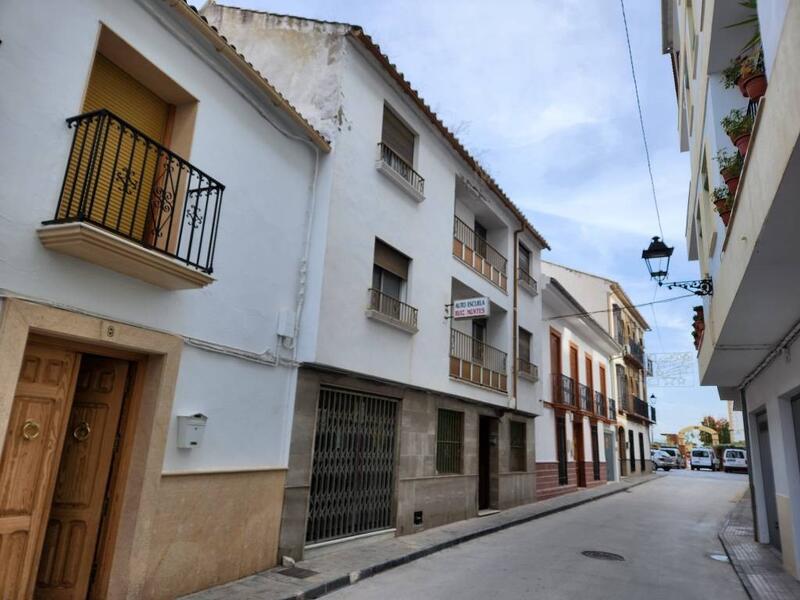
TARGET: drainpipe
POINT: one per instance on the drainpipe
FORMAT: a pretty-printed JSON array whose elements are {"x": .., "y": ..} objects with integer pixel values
[
  {"x": 745, "y": 420},
  {"x": 514, "y": 332}
]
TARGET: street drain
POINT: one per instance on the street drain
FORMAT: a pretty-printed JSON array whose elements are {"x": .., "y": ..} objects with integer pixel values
[
  {"x": 297, "y": 572},
  {"x": 600, "y": 555},
  {"x": 719, "y": 557}
]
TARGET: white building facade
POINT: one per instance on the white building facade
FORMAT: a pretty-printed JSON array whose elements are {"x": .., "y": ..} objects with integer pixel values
[
  {"x": 747, "y": 247},
  {"x": 133, "y": 294},
  {"x": 408, "y": 225}
]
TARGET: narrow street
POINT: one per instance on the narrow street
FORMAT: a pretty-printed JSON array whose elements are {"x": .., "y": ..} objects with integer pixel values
[{"x": 666, "y": 531}]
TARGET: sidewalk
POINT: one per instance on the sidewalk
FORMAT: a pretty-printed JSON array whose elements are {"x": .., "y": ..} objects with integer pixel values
[
  {"x": 758, "y": 566},
  {"x": 340, "y": 569}
]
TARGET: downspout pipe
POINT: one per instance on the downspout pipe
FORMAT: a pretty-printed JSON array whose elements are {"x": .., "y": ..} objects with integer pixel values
[{"x": 515, "y": 278}]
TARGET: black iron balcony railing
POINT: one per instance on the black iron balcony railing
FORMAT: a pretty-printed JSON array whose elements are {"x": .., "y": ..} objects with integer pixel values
[
  {"x": 528, "y": 369},
  {"x": 564, "y": 390},
  {"x": 393, "y": 308},
  {"x": 612, "y": 409},
  {"x": 527, "y": 279},
  {"x": 121, "y": 180},
  {"x": 585, "y": 397},
  {"x": 392, "y": 160},
  {"x": 467, "y": 236},
  {"x": 653, "y": 414},
  {"x": 465, "y": 347},
  {"x": 640, "y": 407},
  {"x": 599, "y": 404},
  {"x": 636, "y": 351}
]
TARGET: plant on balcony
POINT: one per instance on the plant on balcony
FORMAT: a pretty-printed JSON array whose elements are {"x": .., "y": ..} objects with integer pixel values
[
  {"x": 738, "y": 125},
  {"x": 732, "y": 76},
  {"x": 753, "y": 77},
  {"x": 723, "y": 201},
  {"x": 698, "y": 326},
  {"x": 730, "y": 167}
]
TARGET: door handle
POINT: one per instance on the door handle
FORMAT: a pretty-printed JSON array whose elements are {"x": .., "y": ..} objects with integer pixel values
[
  {"x": 82, "y": 431},
  {"x": 31, "y": 429}
]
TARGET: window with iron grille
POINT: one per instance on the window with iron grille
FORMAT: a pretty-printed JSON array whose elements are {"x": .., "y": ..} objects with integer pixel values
[
  {"x": 449, "y": 441},
  {"x": 517, "y": 431},
  {"x": 561, "y": 450}
]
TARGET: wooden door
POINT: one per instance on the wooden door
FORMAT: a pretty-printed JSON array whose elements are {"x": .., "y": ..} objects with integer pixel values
[
  {"x": 30, "y": 455},
  {"x": 590, "y": 377},
  {"x": 555, "y": 365},
  {"x": 69, "y": 544},
  {"x": 577, "y": 440},
  {"x": 573, "y": 373}
]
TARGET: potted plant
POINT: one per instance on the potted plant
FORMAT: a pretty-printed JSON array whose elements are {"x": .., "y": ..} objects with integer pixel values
[
  {"x": 738, "y": 125},
  {"x": 722, "y": 203},
  {"x": 752, "y": 76},
  {"x": 732, "y": 76},
  {"x": 730, "y": 167}
]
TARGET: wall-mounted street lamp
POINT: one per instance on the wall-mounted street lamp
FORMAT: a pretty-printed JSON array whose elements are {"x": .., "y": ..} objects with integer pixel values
[{"x": 656, "y": 256}]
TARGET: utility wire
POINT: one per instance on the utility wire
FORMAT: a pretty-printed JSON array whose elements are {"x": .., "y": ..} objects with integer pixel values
[
  {"x": 641, "y": 119},
  {"x": 606, "y": 310}
]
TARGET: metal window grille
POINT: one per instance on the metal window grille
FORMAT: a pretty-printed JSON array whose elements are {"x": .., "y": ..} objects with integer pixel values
[
  {"x": 401, "y": 167},
  {"x": 561, "y": 450},
  {"x": 449, "y": 441},
  {"x": 352, "y": 477},
  {"x": 595, "y": 454},
  {"x": 467, "y": 236},
  {"x": 392, "y": 307},
  {"x": 517, "y": 437}
]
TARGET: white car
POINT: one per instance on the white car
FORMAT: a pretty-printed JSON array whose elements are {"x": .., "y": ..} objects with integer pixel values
[
  {"x": 734, "y": 459},
  {"x": 704, "y": 458},
  {"x": 680, "y": 462},
  {"x": 662, "y": 460}
]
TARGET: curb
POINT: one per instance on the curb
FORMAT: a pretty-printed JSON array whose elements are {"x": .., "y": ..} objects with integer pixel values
[
  {"x": 726, "y": 548},
  {"x": 342, "y": 581}
]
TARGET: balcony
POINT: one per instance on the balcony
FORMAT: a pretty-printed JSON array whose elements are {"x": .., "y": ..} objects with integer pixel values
[
  {"x": 527, "y": 370},
  {"x": 585, "y": 398},
  {"x": 653, "y": 414},
  {"x": 612, "y": 409},
  {"x": 527, "y": 282},
  {"x": 477, "y": 362},
  {"x": 564, "y": 391},
  {"x": 478, "y": 254},
  {"x": 391, "y": 311},
  {"x": 131, "y": 205},
  {"x": 638, "y": 407},
  {"x": 395, "y": 168},
  {"x": 600, "y": 404},
  {"x": 635, "y": 352}
]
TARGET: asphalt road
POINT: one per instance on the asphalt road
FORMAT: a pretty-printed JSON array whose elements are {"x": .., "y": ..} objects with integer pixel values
[{"x": 666, "y": 531}]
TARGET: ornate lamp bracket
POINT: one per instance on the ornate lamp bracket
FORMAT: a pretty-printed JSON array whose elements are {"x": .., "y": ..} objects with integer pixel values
[{"x": 699, "y": 287}]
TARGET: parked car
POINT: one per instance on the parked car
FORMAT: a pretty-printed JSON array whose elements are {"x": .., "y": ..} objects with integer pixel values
[
  {"x": 680, "y": 461},
  {"x": 662, "y": 460},
  {"x": 704, "y": 458},
  {"x": 734, "y": 459}
]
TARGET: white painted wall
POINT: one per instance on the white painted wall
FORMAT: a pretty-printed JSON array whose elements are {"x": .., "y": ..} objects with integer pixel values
[{"x": 268, "y": 182}]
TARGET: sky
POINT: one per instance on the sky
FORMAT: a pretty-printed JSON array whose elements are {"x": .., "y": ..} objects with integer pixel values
[{"x": 540, "y": 91}]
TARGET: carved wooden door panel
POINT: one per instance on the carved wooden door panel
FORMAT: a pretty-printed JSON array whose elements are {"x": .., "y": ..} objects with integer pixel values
[
  {"x": 30, "y": 456},
  {"x": 71, "y": 537}
]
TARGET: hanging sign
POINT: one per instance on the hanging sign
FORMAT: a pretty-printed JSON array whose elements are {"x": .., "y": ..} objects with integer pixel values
[{"x": 471, "y": 308}]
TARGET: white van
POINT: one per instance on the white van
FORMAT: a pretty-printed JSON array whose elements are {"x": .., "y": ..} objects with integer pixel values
[
  {"x": 734, "y": 459},
  {"x": 704, "y": 458}
]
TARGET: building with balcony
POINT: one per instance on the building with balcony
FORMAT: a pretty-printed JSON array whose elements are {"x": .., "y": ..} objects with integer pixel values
[
  {"x": 576, "y": 433},
  {"x": 611, "y": 308},
  {"x": 412, "y": 404},
  {"x": 738, "y": 118},
  {"x": 147, "y": 369}
]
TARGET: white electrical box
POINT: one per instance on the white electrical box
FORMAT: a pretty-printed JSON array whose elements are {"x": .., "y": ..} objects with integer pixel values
[
  {"x": 286, "y": 324},
  {"x": 190, "y": 430}
]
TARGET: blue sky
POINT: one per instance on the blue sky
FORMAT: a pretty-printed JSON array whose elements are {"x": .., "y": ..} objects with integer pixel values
[{"x": 541, "y": 92}]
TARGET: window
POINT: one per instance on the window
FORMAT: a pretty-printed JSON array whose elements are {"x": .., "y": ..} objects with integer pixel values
[
  {"x": 449, "y": 441},
  {"x": 595, "y": 454},
  {"x": 398, "y": 137},
  {"x": 478, "y": 340},
  {"x": 389, "y": 276},
  {"x": 480, "y": 239},
  {"x": 524, "y": 345},
  {"x": 618, "y": 325},
  {"x": 524, "y": 260},
  {"x": 517, "y": 437},
  {"x": 561, "y": 450}
]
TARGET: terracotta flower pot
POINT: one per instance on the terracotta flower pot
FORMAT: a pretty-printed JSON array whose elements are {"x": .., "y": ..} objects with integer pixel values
[
  {"x": 742, "y": 142},
  {"x": 723, "y": 210},
  {"x": 731, "y": 178},
  {"x": 725, "y": 216},
  {"x": 740, "y": 84},
  {"x": 755, "y": 86}
]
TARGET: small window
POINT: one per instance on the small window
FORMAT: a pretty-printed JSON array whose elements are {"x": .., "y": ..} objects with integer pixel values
[
  {"x": 518, "y": 454},
  {"x": 398, "y": 137},
  {"x": 524, "y": 260},
  {"x": 524, "y": 345},
  {"x": 449, "y": 441},
  {"x": 389, "y": 276},
  {"x": 480, "y": 239}
]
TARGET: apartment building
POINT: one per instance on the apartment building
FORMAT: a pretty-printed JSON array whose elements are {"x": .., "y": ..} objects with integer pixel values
[
  {"x": 611, "y": 308},
  {"x": 419, "y": 382},
  {"x": 737, "y": 106},
  {"x": 146, "y": 362},
  {"x": 576, "y": 432}
]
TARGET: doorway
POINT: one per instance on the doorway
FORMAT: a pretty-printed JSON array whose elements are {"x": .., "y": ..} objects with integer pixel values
[
  {"x": 622, "y": 460},
  {"x": 608, "y": 440},
  {"x": 487, "y": 461},
  {"x": 631, "y": 451},
  {"x": 577, "y": 440},
  {"x": 765, "y": 460},
  {"x": 58, "y": 459}
]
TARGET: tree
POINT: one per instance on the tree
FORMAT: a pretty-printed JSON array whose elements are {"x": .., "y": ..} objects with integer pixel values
[{"x": 721, "y": 426}]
